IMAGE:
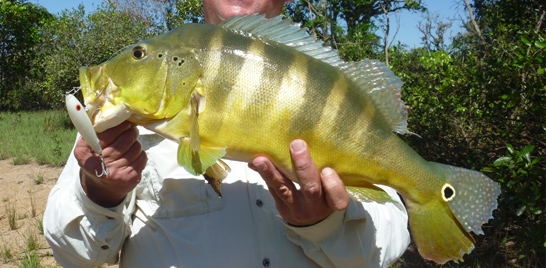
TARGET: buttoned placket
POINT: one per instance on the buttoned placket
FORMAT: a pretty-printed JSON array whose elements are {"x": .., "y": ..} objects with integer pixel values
[{"x": 263, "y": 222}]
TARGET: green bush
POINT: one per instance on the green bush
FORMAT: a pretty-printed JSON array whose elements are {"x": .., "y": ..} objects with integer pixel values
[{"x": 523, "y": 200}]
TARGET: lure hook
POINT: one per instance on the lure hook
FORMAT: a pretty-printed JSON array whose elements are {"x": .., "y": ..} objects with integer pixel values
[
  {"x": 73, "y": 91},
  {"x": 105, "y": 170}
]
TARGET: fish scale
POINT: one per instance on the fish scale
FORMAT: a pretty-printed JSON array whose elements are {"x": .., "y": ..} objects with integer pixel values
[{"x": 251, "y": 85}]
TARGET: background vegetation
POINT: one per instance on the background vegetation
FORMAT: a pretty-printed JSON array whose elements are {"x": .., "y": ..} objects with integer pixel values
[{"x": 477, "y": 100}]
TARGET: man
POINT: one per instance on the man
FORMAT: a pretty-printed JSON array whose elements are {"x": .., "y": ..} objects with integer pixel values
[{"x": 158, "y": 215}]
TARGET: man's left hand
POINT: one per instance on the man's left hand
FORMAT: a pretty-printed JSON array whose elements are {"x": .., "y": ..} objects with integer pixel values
[{"x": 319, "y": 194}]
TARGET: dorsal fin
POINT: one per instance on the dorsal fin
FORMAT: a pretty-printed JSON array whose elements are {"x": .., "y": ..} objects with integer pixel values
[
  {"x": 385, "y": 89},
  {"x": 283, "y": 31},
  {"x": 373, "y": 77}
]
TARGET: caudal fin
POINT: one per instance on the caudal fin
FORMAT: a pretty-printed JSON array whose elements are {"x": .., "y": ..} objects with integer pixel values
[{"x": 440, "y": 228}]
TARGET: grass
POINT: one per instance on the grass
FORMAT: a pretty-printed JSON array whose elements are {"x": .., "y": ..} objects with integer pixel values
[
  {"x": 40, "y": 226},
  {"x": 38, "y": 178},
  {"x": 30, "y": 260},
  {"x": 11, "y": 214},
  {"x": 22, "y": 216},
  {"x": 32, "y": 204},
  {"x": 44, "y": 136},
  {"x": 32, "y": 241},
  {"x": 6, "y": 253}
]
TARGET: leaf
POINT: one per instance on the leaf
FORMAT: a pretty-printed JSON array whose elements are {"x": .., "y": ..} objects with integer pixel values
[
  {"x": 525, "y": 40},
  {"x": 536, "y": 160},
  {"x": 540, "y": 44},
  {"x": 540, "y": 70},
  {"x": 521, "y": 210},
  {"x": 488, "y": 170},
  {"x": 502, "y": 160},
  {"x": 510, "y": 148},
  {"x": 535, "y": 210},
  {"x": 526, "y": 151}
]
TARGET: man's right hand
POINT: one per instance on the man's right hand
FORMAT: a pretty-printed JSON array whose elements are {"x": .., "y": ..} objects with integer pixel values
[{"x": 124, "y": 158}]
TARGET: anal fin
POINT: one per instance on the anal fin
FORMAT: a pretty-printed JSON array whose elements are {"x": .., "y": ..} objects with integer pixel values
[
  {"x": 369, "y": 193},
  {"x": 215, "y": 174},
  {"x": 197, "y": 162}
]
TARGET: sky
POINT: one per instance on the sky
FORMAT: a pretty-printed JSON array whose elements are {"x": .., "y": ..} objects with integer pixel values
[{"x": 408, "y": 32}]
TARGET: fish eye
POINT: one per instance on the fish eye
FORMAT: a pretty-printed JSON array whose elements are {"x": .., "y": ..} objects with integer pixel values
[{"x": 139, "y": 52}]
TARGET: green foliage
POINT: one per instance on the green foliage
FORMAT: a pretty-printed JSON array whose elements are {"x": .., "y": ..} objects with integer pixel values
[
  {"x": 187, "y": 11},
  {"x": 524, "y": 198},
  {"x": 442, "y": 110},
  {"x": 20, "y": 32},
  {"x": 75, "y": 39},
  {"x": 469, "y": 102},
  {"x": 45, "y": 136},
  {"x": 347, "y": 25}
]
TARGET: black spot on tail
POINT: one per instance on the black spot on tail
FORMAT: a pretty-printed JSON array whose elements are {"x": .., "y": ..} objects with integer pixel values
[{"x": 448, "y": 193}]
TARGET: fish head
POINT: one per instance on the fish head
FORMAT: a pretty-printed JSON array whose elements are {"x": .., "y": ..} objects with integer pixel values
[{"x": 147, "y": 82}]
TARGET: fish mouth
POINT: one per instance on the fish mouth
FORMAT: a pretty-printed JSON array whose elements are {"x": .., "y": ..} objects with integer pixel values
[{"x": 99, "y": 92}]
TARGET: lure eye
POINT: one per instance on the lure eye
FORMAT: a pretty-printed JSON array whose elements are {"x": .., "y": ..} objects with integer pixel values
[{"x": 139, "y": 52}]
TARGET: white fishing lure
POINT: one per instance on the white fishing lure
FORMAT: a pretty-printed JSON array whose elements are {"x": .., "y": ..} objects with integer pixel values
[{"x": 81, "y": 121}]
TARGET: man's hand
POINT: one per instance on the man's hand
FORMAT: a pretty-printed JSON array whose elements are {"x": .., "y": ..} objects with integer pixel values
[
  {"x": 124, "y": 158},
  {"x": 319, "y": 194}
]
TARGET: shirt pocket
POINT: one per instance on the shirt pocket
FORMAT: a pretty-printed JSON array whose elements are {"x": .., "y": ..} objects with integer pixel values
[
  {"x": 182, "y": 197},
  {"x": 168, "y": 189}
]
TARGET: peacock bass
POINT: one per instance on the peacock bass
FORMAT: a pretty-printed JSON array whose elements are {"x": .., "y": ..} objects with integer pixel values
[{"x": 249, "y": 86}]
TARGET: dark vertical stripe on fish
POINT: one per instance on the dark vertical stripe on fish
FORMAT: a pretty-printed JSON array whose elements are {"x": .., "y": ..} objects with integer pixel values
[{"x": 316, "y": 94}]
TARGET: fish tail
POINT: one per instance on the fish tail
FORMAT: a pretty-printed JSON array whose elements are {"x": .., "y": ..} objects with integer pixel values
[{"x": 440, "y": 227}]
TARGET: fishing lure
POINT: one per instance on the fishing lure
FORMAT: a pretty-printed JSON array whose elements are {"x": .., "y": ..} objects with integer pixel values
[{"x": 81, "y": 121}]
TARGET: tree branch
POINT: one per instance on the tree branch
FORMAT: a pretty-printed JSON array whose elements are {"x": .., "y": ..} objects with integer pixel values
[{"x": 473, "y": 19}]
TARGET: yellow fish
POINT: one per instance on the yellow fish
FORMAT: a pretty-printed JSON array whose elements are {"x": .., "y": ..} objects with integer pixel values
[{"x": 251, "y": 85}]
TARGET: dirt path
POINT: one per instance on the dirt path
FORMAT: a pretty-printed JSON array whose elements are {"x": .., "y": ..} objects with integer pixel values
[{"x": 23, "y": 193}]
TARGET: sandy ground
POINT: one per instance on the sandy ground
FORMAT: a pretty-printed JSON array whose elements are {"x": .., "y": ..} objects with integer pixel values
[{"x": 24, "y": 189}]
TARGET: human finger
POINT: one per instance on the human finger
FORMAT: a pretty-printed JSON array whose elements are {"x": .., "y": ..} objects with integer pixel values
[
  {"x": 336, "y": 195},
  {"x": 110, "y": 135},
  {"x": 305, "y": 170},
  {"x": 281, "y": 188},
  {"x": 124, "y": 142}
]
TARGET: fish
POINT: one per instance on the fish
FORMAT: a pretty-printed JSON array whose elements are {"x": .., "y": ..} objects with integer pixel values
[{"x": 250, "y": 85}]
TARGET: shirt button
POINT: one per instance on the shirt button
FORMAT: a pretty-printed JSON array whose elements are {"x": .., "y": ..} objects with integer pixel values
[
  {"x": 105, "y": 247},
  {"x": 259, "y": 203},
  {"x": 265, "y": 262}
]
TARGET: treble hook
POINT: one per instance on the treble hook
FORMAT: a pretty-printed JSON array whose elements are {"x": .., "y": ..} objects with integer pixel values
[
  {"x": 105, "y": 170},
  {"x": 81, "y": 121}
]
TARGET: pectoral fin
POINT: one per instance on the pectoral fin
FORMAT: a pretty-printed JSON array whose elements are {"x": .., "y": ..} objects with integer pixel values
[
  {"x": 195, "y": 140},
  {"x": 192, "y": 155}
]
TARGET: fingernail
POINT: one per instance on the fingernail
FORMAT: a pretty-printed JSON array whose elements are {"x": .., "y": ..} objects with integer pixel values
[
  {"x": 260, "y": 165},
  {"x": 327, "y": 171},
  {"x": 297, "y": 146}
]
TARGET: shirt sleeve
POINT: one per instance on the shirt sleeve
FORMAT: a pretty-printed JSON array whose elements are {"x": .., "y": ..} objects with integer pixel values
[
  {"x": 366, "y": 234},
  {"x": 80, "y": 232}
]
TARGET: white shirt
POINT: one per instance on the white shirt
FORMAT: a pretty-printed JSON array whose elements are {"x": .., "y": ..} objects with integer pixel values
[{"x": 175, "y": 219}]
